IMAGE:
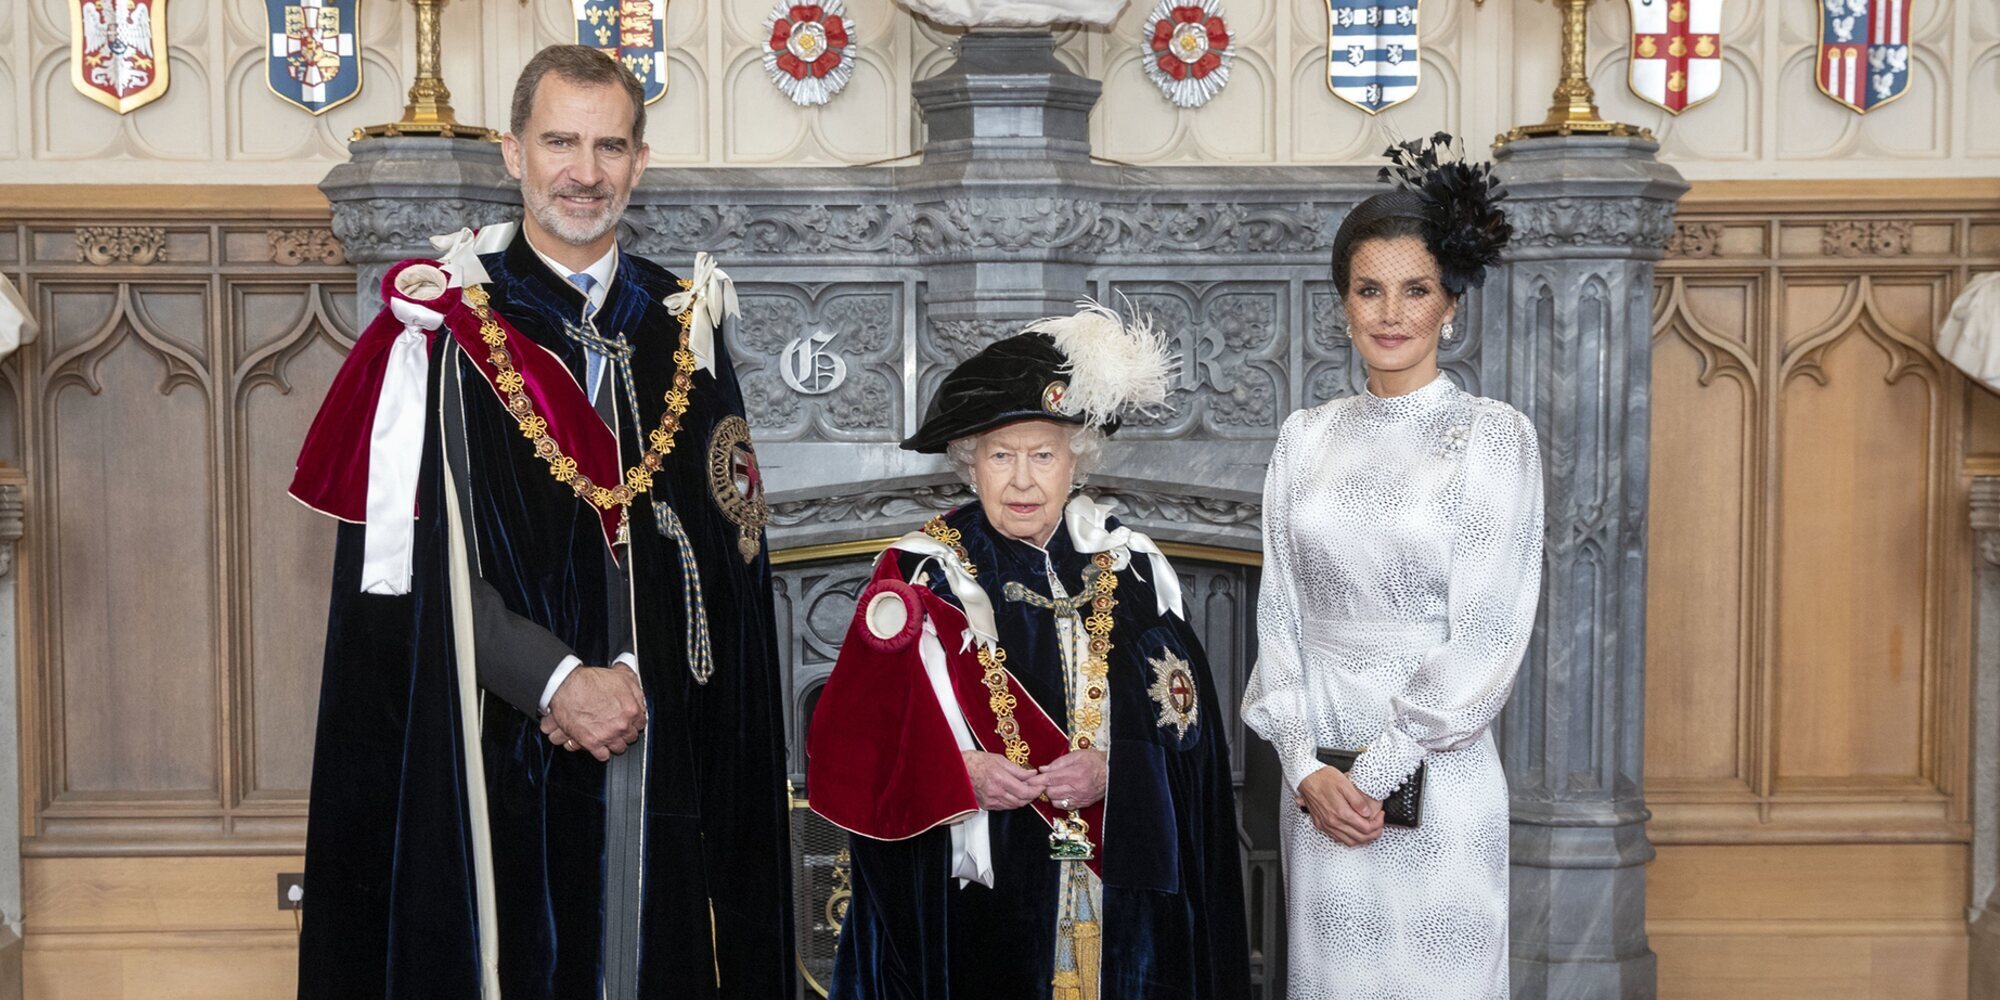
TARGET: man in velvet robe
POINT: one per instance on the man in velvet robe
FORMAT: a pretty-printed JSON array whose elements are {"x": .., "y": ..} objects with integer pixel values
[
  {"x": 550, "y": 757},
  {"x": 983, "y": 719}
]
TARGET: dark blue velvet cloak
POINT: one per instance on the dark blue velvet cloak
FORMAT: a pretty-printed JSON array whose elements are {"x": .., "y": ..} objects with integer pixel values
[
  {"x": 1173, "y": 921},
  {"x": 389, "y": 877}
]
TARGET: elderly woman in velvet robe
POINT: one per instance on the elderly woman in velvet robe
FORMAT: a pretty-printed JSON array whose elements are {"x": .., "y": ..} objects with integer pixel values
[{"x": 1021, "y": 733}]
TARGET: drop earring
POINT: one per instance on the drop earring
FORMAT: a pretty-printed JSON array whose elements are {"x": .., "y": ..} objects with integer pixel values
[{"x": 1448, "y": 333}]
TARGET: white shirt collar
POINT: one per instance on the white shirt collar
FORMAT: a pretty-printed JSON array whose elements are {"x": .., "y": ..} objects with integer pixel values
[{"x": 600, "y": 272}]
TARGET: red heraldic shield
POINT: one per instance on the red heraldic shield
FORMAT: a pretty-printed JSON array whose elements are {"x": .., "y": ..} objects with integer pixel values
[{"x": 1676, "y": 52}]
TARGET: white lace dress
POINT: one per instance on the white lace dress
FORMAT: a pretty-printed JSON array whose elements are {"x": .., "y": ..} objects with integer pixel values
[{"x": 1402, "y": 565}]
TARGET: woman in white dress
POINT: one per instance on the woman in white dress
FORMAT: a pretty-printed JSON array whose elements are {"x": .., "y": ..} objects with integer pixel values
[{"x": 1402, "y": 567}]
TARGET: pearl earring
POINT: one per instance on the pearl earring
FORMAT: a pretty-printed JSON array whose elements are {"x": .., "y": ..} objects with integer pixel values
[{"x": 1447, "y": 333}]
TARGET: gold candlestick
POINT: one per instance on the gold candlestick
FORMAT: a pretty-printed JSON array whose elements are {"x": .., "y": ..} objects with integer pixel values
[
  {"x": 429, "y": 110},
  {"x": 1574, "y": 111}
]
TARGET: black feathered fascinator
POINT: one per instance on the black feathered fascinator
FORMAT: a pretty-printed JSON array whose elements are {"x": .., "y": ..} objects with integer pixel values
[{"x": 1456, "y": 203}]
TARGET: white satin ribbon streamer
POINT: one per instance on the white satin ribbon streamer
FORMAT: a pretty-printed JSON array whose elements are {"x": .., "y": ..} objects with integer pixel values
[
  {"x": 971, "y": 840},
  {"x": 395, "y": 449},
  {"x": 1087, "y": 531},
  {"x": 978, "y": 608},
  {"x": 712, "y": 295}
]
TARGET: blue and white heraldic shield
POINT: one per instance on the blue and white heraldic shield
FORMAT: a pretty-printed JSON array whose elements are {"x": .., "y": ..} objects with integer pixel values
[{"x": 1372, "y": 58}]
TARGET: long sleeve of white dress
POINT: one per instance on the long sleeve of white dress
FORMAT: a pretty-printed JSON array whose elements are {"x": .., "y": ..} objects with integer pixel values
[
  {"x": 1275, "y": 700},
  {"x": 1494, "y": 586}
]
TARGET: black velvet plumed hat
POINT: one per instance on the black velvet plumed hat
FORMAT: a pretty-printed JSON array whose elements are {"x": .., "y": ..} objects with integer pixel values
[
  {"x": 1455, "y": 203},
  {"x": 1081, "y": 369}
]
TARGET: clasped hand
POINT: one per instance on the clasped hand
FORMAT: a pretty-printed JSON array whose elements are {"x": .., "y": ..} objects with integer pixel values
[
  {"x": 1338, "y": 809},
  {"x": 602, "y": 709},
  {"x": 1073, "y": 781}
]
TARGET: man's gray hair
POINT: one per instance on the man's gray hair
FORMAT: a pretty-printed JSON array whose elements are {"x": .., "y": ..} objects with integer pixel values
[
  {"x": 579, "y": 64},
  {"x": 1085, "y": 442}
]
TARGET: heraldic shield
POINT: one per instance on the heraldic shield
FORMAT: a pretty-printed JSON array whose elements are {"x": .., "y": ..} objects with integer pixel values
[
  {"x": 1864, "y": 51},
  {"x": 1372, "y": 59},
  {"x": 1676, "y": 52},
  {"x": 630, "y": 31},
  {"x": 118, "y": 51},
  {"x": 314, "y": 61}
]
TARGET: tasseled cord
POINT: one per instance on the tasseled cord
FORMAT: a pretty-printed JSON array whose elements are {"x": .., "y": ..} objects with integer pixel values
[
  {"x": 1112, "y": 364},
  {"x": 1079, "y": 940}
]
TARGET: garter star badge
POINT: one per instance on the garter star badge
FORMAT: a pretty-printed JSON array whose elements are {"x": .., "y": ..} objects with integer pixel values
[
  {"x": 1173, "y": 690},
  {"x": 313, "y": 62},
  {"x": 1372, "y": 58},
  {"x": 118, "y": 51},
  {"x": 630, "y": 31},
  {"x": 1864, "y": 51},
  {"x": 1676, "y": 52}
]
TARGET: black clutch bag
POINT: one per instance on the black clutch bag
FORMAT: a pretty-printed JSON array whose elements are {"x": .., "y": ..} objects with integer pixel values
[{"x": 1404, "y": 806}]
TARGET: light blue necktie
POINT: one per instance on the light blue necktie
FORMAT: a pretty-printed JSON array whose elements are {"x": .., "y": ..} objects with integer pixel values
[{"x": 593, "y": 362}]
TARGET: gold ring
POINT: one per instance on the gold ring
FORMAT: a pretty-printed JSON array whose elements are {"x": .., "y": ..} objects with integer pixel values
[{"x": 569, "y": 745}]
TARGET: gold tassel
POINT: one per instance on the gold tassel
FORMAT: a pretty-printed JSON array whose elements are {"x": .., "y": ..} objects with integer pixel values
[
  {"x": 1066, "y": 987},
  {"x": 1089, "y": 952}
]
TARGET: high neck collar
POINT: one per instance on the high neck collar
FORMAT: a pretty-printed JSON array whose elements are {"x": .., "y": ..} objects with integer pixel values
[{"x": 1416, "y": 402}]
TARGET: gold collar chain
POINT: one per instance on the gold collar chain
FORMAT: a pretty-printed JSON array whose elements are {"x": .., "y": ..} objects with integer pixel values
[
  {"x": 639, "y": 478},
  {"x": 1096, "y": 669}
]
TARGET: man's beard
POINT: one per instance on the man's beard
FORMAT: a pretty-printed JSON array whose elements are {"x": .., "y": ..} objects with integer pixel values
[{"x": 576, "y": 232}]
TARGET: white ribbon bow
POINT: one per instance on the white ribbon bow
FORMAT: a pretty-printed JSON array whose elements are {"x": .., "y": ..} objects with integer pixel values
[
  {"x": 1087, "y": 531},
  {"x": 712, "y": 296},
  {"x": 459, "y": 252}
]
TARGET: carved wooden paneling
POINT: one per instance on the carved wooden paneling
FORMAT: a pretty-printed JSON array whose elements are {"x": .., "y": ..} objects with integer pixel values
[
  {"x": 153, "y": 928},
  {"x": 172, "y": 625},
  {"x": 127, "y": 455},
  {"x": 1808, "y": 444},
  {"x": 1860, "y": 473},
  {"x": 292, "y": 341},
  {"x": 1806, "y": 639},
  {"x": 1699, "y": 626}
]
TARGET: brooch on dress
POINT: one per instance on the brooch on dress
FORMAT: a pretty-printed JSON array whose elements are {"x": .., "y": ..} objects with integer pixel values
[{"x": 1454, "y": 441}]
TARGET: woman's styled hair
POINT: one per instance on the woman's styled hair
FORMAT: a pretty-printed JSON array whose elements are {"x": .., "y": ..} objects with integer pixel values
[
  {"x": 1453, "y": 205},
  {"x": 1085, "y": 442}
]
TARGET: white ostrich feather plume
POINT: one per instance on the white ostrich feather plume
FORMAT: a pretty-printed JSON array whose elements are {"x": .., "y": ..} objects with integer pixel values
[{"x": 1112, "y": 364}]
